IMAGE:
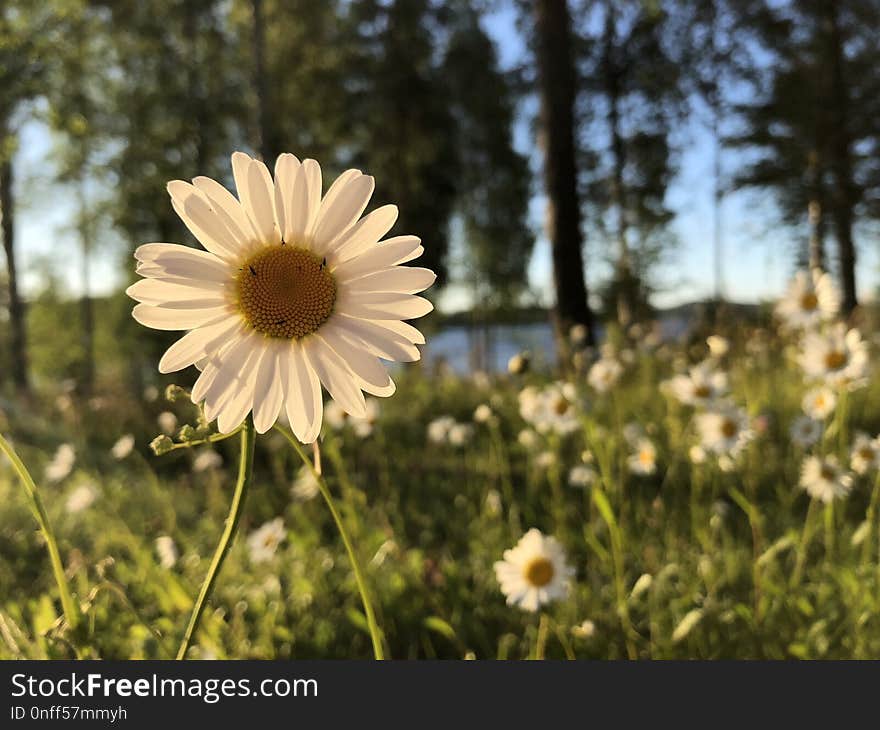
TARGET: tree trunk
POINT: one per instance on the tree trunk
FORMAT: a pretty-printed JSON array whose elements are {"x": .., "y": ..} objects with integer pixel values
[
  {"x": 816, "y": 214},
  {"x": 17, "y": 328},
  {"x": 558, "y": 89},
  {"x": 611, "y": 80},
  {"x": 843, "y": 199},
  {"x": 265, "y": 136}
]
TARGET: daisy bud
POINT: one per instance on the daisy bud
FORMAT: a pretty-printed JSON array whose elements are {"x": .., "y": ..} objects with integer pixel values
[
  {"x": 161, "y": 445},
  {"x": 175, "y": 392},
  {"x": 186, "y": 433}
]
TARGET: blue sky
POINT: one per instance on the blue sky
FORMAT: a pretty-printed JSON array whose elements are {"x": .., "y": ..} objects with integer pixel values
[{"x": 757, "y": 260}]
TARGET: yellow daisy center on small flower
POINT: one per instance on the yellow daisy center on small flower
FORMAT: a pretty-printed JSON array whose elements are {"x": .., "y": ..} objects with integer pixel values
[
  {"x": 646, "y": 457},
  {"x": 560, "y": 406},
  {"x": 827, "y": 473},
  {"x": 866, "y": 453},
  {"x": 702, "y": 391},
  {"x": 539, "y": 572},
  {"x": 729, "y": 428},
  {"x": 285, "y": 292},
  {"x": 809, "y": 301},
  {"x": 835, "y": 360}
]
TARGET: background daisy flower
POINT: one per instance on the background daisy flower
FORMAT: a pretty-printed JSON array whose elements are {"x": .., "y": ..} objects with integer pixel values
[{"x": 534, "y": 572}]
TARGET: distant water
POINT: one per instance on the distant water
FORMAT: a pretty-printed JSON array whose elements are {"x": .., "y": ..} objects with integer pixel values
[{"x": 463, "y": 348}]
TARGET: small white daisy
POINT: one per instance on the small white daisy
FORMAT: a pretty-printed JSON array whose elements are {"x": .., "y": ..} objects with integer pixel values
[
  {"x": 718, "y": 346},
  {"x": 61, "y": 464},
  {"x": 823, "y": 479},
  {"x": 206, "y": 460},
  {"x": 805, "y": 431},
  {"x": 519, "y": 363},
  {"x": 644, "y": 460},
  {"x": 305, "y": 486},
  {"x": 819, "y": 402},
  {"x": 167, "y": 551},
  {"x": 438, "y": 429},
  {"x": 811, "y": 298},
  {"x": 700, "y": 387},
  {"x": 123, "y": 447},
  {"x": 264, "y": 541},
  {"x": 167, "y": 422},
  {"x": 724, "y": 430},
  {"x": 604, "y": 374},
  {"x": 837, "y": 356},
  {"x": 295, "y": 290},
  {"x": 865, "y": 454},
  {"x": 460, "y": 434},
  {"x": 81, "y": 498},
  {"x": 534, "y": 572},
  {"x": 581, "y": 475},
  {"x": 482, "y": 413}
]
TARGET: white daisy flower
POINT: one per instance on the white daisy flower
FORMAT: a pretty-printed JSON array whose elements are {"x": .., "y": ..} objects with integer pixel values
[
  {"x": 551, "y": 409},
  {"x": 534, "y": 572},
  {"x": 644, "y": 460},
  {"x": 438, "y": 429},
  {"x": 584, "y": 630},
  {"x": 865, "y": 454},
  {"x": 81, "y": 498},
  {"x": 519, "y": 363},
  {"x": 545, "y": 459},
  {"x": 167, "y": 422},
  {"x": 482, "y": 413},
  {"x": 724, "y": 430},
  {"x": 823, "y": 479},
  {"x": 700, "y": 387},
  {"x": 167, "y": 551},
  {"x": 336, "y": 417},
  {"x": 697, "y": 454},
  {"x": 527, "y": 438},
  {"x": 206, "y": 460},
  {"x": 581, "y": 475},
  {"x": 61, "y": 464},
  {"x": 305, "y": 487},
  {"x": 264, "y": 541},
  {"x": 718, "y": 346},
  {"x": 460, "y": 434},
  {"x": 805, "y": 431},
  {"x": 839, "y": 357},
  {"x": 294, "y": 291},
  {"x": 604, "y": 374},
  {"x": 811, "y": 298},
  {"x": 123, "y": 447},
  {"x": 819, "y": 403}
]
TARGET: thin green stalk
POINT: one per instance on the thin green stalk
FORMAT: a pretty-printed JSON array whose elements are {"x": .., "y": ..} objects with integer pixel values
[
  {"x": 68, "y": 605},
  {"x": 806, "y": 534},
  {"x": 375, "y": 631},
  {"x": 245, "y": 472},
  {"x": 541, "y": 638}
]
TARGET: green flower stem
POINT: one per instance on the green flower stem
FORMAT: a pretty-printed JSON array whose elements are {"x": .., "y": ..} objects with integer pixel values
[
  {"x": 541, "y": 638},
  {"x": 245, "y": 472},
  {"x": 375, "y": 631},
  {"x": 806, "y": 534},
  {"x": 68, "y": 605},
  {"x": 212, "y": 439}
]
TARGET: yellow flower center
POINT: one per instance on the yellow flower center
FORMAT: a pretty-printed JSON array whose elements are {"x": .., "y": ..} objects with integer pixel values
[
  {"x": 539, "y": 572},
  {"x": 646, "y": 457},
  {"x": 809, "y": 301},
  {"x": 827, "y": 473},
  {"x": 729, "y": 428},
  {"x": 560, "y": 406},
  {"x": 866, "y": 453},
  {"x": 285, "y": 292},
  {"x": 702, "y": 391},
  {"x": 835, "y": 360}
]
